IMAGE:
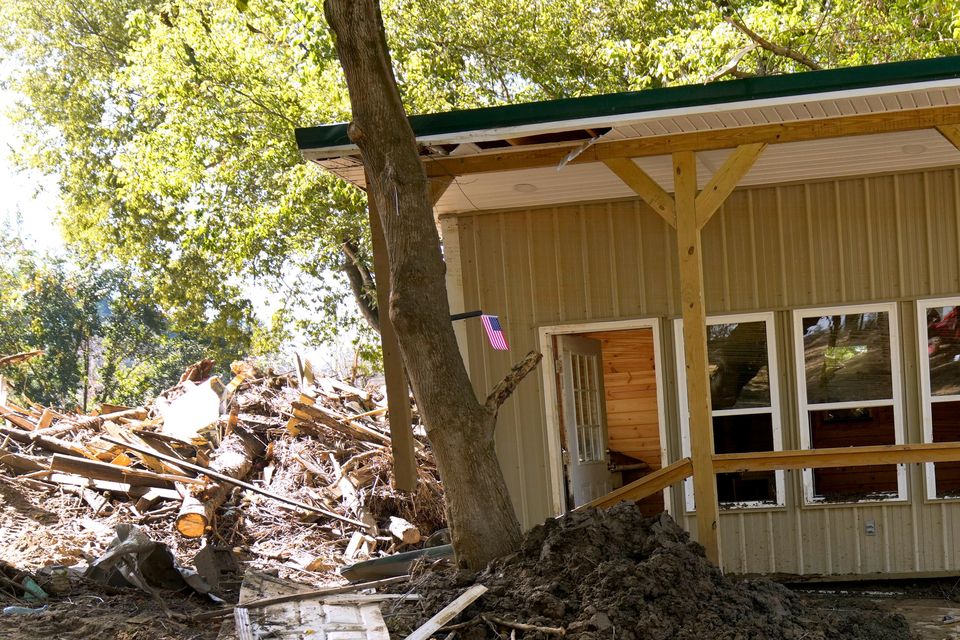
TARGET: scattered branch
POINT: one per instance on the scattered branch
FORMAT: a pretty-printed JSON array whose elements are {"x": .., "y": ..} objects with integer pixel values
[
  {"x": 509, "y": 383},
  {"x": 520, "y": 626},
  {"x": 772, "y": 47}
]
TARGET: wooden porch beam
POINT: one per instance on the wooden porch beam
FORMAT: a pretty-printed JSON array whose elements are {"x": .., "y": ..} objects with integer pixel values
[
  {"x": 951, "y": 132},
  {"x": 438, "y": 187},
  {"x": 514, "y": 158},
  {"x": 646, "y": 486},
  {"x": 836, "y": 457},
  {"x": 645, "y": 187},
  {"x": 695, "y": 353},
  {"x": 398, "y": 394},
  {"x": 725, "y": 180}
]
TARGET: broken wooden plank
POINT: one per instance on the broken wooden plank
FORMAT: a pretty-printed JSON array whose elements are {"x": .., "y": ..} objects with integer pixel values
[
  {"x": 105, "y": 471},
  {"x": 17, "y": 358},
  {"x": 448, "y": 613},
  {"x": 20, "y": 463},
  {"x": 44, "y": 442},
  {"x": 328, "y": 418},
  {"x": 11, "y": 415},
  {"x": 240, "y": 483}
]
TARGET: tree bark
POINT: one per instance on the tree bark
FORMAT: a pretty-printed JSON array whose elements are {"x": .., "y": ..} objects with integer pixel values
[
  {"x": 461, "y": 429},
  {"x": 361, "y": 284}
]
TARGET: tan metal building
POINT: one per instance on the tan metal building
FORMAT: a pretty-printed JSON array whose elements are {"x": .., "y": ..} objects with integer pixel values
[{"x": 824, "y": 208}]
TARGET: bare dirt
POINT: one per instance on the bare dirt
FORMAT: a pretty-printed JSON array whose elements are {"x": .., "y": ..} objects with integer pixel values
[{"x": 618, "y": 574}]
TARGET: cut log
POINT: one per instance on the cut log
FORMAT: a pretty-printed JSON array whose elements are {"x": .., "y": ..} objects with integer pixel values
[
  {"x": 405, "y": 531},
  {"x": 233, "y": 458}
]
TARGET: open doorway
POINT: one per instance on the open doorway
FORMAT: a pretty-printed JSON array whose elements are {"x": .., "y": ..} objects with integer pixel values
[{"x": 605, "y": 409}]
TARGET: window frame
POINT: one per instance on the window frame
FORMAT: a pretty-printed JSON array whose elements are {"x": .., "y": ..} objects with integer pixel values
[
  {"x": 769, "y": 319},
  {"x": 896, "y": 402},
  {"x": 926, "y": 398}
]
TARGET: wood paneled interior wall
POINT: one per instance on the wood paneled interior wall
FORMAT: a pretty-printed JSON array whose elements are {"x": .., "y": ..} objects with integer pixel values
[
  {"x": 630, "y": 386},
  {"x": 771, "y": 248}
]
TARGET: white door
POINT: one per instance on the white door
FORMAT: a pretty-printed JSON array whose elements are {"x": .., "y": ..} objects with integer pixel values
[{"x": 584, "y": 418}]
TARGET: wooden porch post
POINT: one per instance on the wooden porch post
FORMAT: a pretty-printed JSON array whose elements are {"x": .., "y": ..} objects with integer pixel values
[
  {"x": 398, "y": 389},
  {"x": 695, "y": 353}
]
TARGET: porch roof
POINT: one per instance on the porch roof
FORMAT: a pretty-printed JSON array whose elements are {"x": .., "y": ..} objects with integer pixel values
[{"x": 551, "y": 152}]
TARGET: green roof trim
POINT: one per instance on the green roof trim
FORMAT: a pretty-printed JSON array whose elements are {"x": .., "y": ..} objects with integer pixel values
[{"x": 615, "y": 104}]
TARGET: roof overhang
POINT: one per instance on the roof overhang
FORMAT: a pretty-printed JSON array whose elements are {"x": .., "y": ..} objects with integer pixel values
[{"x": 861, "y": 119}]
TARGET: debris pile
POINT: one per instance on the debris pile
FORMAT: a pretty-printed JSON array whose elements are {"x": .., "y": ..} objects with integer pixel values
[
  {"x": 617, "y": 574},
  {"x": 311, "y": 456}
]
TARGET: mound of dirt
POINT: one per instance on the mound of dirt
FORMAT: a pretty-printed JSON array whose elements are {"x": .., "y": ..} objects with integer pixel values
[{"x": 618, "y": 574}]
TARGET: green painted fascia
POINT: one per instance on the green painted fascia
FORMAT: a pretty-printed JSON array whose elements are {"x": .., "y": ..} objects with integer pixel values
[{"x": 615, "y": 104}]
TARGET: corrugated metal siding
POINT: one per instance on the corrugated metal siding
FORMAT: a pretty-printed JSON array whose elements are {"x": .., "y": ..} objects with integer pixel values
[{"x": 891, "y": 237}]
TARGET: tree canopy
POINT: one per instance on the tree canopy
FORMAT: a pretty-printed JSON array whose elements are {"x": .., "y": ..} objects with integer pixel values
[
  {"x": 169, "y": 123},
  {"x": 104, "y": 338}
]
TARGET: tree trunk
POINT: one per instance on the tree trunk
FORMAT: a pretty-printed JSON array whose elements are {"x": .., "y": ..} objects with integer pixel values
[{"x": 461, "y": 429}]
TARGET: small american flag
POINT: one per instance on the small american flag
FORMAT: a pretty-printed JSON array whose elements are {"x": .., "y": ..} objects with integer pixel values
[{"x": 495, "y": 332}]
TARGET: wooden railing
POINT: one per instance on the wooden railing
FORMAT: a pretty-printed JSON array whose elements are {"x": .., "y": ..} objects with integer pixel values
[
  {"x": 645, "y": 486},
  {"x": 776, "y": 460}
]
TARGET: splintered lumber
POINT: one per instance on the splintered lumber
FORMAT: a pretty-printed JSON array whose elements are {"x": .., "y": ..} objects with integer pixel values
[
  {"x": 408, "y": 533},
  {"x": 233, "y": 458},
  {"x": 44, "y": 442},
  {"x": 21, "y": 463},
  {"x": 330, "y": 419},
  {"x": 114, "y": 473},
  {"x": 17, "y": 358},
  {"x": 240, "y": 483},
  {"x": 13, "y": 417},
  {"x": 448, "y": 613}
]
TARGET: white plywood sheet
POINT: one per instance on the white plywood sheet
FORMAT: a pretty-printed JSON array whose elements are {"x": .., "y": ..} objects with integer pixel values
[{"x": 329, "y": 618}]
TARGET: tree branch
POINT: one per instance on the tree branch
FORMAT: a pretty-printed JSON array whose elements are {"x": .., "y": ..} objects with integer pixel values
[
  {"x": 362, "y": 285},
  {"x": 731, "y": 67},
  {"x": 506, "y": 387},
  {"x": 772, "y": 47}
]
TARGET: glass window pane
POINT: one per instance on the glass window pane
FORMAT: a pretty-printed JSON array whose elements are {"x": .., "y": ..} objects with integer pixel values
[
  {"x": 943, "y": 350},
  {"x": 946, "y": 428},
  {"x": 847, "y": 357},
  {"x": 743, "y": 433},
  {"x": 854, "y": 428},
  {"x": 739, "y": 371}
]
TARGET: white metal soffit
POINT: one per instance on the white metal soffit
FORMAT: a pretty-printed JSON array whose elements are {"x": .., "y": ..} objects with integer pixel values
[{"x": 788, "y": 162}]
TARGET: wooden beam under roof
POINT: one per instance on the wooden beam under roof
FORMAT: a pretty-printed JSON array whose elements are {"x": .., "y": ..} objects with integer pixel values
[
  {"x": 516, "y": 158},
  {"x": 952, "y": 133},
  {"x": 725, "y": 180},
  {"x": 644, "y": 186}
]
